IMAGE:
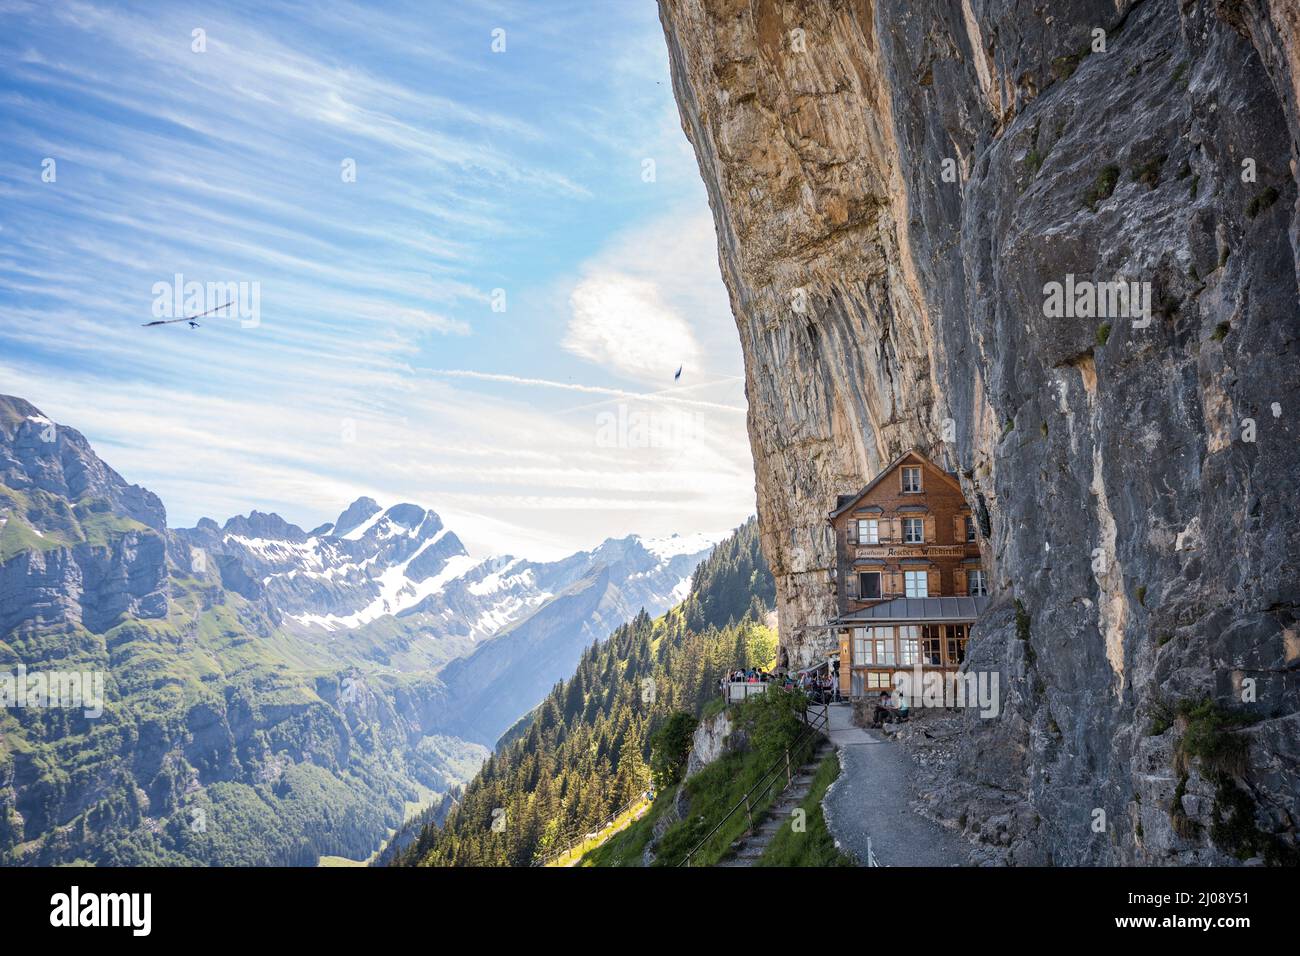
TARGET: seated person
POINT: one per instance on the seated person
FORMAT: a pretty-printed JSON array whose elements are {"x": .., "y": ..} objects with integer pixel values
[
  {"x": 883, "y": 709},
  {"x": 900, "y": 707}
]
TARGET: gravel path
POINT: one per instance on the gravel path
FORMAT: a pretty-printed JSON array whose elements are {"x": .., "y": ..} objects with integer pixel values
[{"x": 872, "y": 796}]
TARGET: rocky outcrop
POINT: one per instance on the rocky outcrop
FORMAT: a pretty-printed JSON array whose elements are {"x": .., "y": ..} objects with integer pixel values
[
  {"x": 79, "y": 546},
  {"x": 37, "y": 455},
  {"x": 83, "y": 585},
  {"x": 713, "y": 737},
  {"x": 896, "y": 185}
]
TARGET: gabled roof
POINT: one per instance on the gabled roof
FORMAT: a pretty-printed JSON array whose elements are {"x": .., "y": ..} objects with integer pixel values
[
  {"x": 950, "y": 609},
  {"x": 844, "y": 502}
]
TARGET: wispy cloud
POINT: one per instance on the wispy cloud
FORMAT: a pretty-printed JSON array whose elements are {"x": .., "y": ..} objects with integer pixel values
[
  {"x": 661, "y": 396},
  {"x": 621, "y": 321}
]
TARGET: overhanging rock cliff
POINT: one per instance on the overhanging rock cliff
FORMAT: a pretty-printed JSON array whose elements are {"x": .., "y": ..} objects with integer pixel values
[{"x": 895, "y": 185}]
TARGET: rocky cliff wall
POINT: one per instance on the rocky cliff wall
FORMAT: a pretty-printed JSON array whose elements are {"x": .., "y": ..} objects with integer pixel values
[{"x": 895, "y": 184}]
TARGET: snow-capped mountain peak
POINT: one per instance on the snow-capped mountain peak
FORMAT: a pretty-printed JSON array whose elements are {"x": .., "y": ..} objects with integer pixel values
[
  {"x": 678, "y": 544},
  {"x": 401, "y": 561}
]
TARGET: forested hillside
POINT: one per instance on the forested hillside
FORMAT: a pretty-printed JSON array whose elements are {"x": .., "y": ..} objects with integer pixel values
[{"x": 584, "y": 752}]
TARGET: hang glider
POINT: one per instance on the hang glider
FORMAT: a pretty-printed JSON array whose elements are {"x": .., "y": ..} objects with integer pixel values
[{"x": 189, "y": 318}]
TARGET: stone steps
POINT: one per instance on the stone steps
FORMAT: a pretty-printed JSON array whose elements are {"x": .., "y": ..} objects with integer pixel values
[{"x": 750, "y": 847}]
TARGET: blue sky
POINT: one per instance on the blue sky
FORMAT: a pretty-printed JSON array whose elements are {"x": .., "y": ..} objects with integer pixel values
[{"x": 552, "y": 176}]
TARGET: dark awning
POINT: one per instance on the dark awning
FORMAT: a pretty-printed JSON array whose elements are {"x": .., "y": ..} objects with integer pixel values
[{"x": 950, "y": 609}]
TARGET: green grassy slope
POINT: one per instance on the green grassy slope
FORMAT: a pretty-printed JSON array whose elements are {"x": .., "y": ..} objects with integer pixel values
[
  {"x": 35, "y": 520},
  {"x": 770, "y": 724}
]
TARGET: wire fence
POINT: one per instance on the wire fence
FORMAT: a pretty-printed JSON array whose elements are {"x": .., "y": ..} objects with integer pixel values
[{"x": 645, "y": 797}]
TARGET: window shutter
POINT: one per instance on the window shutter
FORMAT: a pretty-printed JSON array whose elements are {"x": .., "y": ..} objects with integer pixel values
[
  {"x": 935, "y": 584},
  {"x": 896, "y": 529},
  {"x": 853, "y": 532},
  {"x": 958, "y": 528},
  {"x": 959, "y": 580},
  {"x": 893, "y": 583},
  {"x": 851, "y": 588},
  {"x": 929, "y": 530}
]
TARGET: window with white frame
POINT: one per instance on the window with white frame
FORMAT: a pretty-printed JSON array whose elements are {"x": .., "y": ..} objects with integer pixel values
[
  {"x": 970, "y": 528},
  {"x": 877, "y": 680},
  {"x": 911, "y": 479},
  {"x": 869, "y": 585},
  {"x": 873, "y": 646},
  {"x": 860, "y": 644},
  {"x": 868, "y": 531},
  {"x": 916, "y": 584},
  {"x": 914, "y": 530},
  {"x": 976, "y": 583},
  {"x": 909, "y": 644}
]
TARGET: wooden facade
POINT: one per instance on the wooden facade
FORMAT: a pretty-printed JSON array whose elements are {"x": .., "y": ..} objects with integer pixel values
[{"x": 907, "y": 536}]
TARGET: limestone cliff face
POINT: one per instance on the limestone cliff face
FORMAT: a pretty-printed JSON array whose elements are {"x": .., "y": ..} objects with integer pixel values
[{"x": 894, "y": 183}]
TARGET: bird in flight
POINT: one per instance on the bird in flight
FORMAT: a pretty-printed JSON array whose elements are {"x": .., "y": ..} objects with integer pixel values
[
  {"x": 679, "y": 373},
  {"x": 189, "y": 318}
]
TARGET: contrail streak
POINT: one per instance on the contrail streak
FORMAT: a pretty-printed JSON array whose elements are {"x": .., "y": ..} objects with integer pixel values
[
  {"x": 672, "y": 392},
  {"x": 589, "y": 389}
]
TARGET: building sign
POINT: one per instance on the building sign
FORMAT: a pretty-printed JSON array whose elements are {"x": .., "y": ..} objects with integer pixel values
[{"x": 913, "y": 551}]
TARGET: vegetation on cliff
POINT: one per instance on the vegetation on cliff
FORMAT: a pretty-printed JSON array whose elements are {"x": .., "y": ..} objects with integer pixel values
[{"x": 683, "y": 815}]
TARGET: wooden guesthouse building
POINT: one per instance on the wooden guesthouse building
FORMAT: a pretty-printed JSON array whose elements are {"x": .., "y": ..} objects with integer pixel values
[{"x": 909, "y": 579}]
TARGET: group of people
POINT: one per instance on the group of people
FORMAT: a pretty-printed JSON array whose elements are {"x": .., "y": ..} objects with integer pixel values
[
  {"x": 822, "y": 688},
  {"x": 754, "y": 675}
]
